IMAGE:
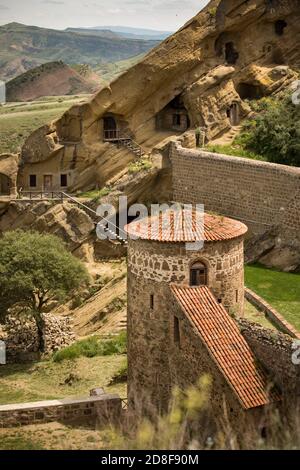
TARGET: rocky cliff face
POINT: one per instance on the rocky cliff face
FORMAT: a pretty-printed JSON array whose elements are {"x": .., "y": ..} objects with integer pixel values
[
  {"x": 230, "y": 52},
  {"x": 66, "y": 221}
]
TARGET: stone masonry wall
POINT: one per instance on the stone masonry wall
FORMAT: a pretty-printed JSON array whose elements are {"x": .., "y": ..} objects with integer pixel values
[
  {"x": 275, "y": 351},
  {"x": 156, "y": 364},
  {"x": 169, "y": 262},
  {"x": 107, "y": 409},
  {"x": 260, "y": 194},
  {"x": 271, "y": 313},
  {"x": 20, "y": 335}
]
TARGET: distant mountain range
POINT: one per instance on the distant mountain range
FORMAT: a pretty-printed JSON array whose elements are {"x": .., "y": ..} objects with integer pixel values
[
  {"x": 125, "y": 32},
  {"x": 24, "y": 47}
]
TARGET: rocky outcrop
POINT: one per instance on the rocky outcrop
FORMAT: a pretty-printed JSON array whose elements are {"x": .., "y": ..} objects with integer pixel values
[
  {"x": 228, "y": 53},
  {"x": 22, "y": 341},
  {"x": 9, "y": 166},
  {"x": 275, "y": 249},
  {"x": 66, "y": 221}
]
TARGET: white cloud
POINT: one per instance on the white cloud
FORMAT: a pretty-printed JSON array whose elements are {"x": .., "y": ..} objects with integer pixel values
[{"x": 154, "y": 14}]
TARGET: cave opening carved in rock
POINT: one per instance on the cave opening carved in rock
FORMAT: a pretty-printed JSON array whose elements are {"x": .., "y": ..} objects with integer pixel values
[
  {"x": 231, "y": 54},
  {"x": 248, "y": 91},
  {"x": 280, "y": 26},
  {"x": 233, "y": 114},
  {"x": 114, "y": 127},
  {"x": 174, "y": 116},
  {"x": 5, "y": 185}
]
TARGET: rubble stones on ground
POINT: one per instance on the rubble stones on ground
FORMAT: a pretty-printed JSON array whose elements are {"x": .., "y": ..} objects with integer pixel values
[{"x": 20, "y": 335}]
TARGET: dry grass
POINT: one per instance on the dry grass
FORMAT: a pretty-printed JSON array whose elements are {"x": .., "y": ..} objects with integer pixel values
[
  {"x": 46, "y": 380},
  {"x": 252, "y": 314},
  {"x": 52, "y": 436},
  {"x": 19, "y": 120}
]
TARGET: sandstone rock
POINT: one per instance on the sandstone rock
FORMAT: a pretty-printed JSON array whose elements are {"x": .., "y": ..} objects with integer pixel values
[
  {"x": 282, "y": 258},
  {"x": 8, "y": 174},
  {"x": 45, "y": 139},
  {"x": 67, "y": 221},
  {"x": 228, "y": 53}
]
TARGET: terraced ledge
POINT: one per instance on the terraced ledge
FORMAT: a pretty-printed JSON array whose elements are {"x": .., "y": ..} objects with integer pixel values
[{"x": 275, "y": 317}]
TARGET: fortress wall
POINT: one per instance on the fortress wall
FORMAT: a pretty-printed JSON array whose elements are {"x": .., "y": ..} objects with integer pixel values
[
  {"x": 258, "y": 193},
  {"x": 106, "y": 409},
  {"x": 278, "y": 352}
]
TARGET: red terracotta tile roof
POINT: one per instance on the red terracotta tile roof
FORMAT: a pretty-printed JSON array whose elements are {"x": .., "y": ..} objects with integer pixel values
[
  {"x": 226, "y": 345},
  {"x": 186, "y": 226}
]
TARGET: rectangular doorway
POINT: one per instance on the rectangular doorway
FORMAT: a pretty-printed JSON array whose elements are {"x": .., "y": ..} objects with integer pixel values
[{"x": 48, "y": 179}]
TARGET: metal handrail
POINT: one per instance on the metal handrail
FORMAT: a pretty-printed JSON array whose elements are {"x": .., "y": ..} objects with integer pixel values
[
  {"x": 48, "y": 194},
  {"x": 117, "y": 135}
]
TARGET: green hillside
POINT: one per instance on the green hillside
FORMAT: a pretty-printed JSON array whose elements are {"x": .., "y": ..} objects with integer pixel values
[
  {"x": 19, "y": 120},
  {"x": 111, "y": 70},
  {"x": 34, "y": 45}
]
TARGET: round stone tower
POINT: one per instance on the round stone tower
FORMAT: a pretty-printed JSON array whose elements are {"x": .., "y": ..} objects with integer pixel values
[{"x": 157, "y": 260}]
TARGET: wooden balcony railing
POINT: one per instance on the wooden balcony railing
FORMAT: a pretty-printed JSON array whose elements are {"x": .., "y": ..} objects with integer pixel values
[{"x": 112, "y": 135}]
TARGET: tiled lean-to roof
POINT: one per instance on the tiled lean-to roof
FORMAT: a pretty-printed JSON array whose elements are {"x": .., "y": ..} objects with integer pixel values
[
  {"x": 226, "y": 345},
  {"x": 186, "y": 226}
]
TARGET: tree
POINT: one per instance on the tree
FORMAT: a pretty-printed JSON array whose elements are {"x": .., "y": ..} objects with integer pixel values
[
  {"x": 36, "y": 269},
  {"x": 275, "y": 132}
]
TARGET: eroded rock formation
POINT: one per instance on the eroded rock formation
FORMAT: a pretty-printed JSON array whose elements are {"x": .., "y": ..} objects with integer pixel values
[{"x": 203, "y": 75}]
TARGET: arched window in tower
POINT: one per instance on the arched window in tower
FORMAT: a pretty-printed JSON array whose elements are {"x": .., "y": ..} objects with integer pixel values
[{"x": 198, "y": 274}]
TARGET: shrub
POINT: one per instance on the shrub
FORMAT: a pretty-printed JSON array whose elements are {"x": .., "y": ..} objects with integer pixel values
[
  {"x": 120, "y": 376},
  {"x": 95, "y": 194},
  {"x": 275, "y": 131},
  {"x": 93, "y": 346},
  {"x": 35, "y": 270},
  {"x": 139, "y": 165}
]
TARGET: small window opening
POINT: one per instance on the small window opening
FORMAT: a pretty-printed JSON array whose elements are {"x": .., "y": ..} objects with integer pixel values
[
  {"x": 152, "y": 301},
  {"x": 280, "y": 26},
  {"x": 63, "y": 181},
  {"x": 198, "y": 275},
  {"x": 176, "y": 331},
  {"x": 236, "y": 296},
  {"x": 219, "y": 301},
  {"x": 32, "y": 181}
]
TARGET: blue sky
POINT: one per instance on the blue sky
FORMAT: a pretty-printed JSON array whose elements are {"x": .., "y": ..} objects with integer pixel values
[{"x": 155, "y": 14}]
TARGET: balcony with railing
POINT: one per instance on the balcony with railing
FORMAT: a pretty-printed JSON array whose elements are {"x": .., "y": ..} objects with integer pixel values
[{"x": 112, "y": 135}]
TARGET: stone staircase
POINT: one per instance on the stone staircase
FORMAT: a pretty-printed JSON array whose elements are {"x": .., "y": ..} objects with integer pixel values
[
  {"x": 96, "y": 218},
  {"x": 124, "y": 139},
  {"x": 131, "y": 145},
  {"x": 228, "y": 137}
]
